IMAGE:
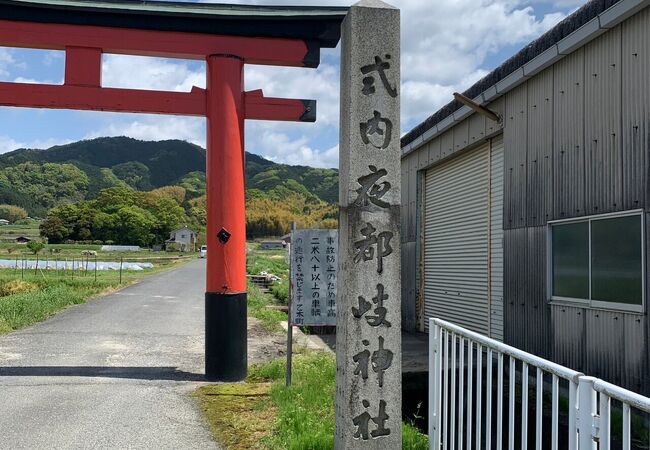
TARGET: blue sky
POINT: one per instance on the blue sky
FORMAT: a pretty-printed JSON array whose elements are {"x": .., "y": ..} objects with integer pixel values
[{"x": 446, "y": 46}]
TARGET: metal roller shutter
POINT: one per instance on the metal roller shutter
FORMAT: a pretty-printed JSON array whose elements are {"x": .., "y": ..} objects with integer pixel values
[
  {"x": 455, "y": 241},
  {"x": 461, "y": 222}
]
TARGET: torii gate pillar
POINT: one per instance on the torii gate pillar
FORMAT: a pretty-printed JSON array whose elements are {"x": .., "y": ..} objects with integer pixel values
[{"x": 225, "y": 297}]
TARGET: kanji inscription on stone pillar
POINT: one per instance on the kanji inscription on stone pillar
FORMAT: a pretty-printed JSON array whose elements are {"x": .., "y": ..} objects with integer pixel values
[{"x": 368, "y": 340}]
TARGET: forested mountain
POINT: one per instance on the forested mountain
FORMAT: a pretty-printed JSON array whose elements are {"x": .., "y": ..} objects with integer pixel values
[
  {"x": 70, "y": 184},
  {"x": 145, "y": 165},
  {"x": 161, "y": 163}
]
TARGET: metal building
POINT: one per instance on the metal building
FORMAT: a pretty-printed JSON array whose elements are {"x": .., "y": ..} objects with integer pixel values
[{"x": 532, "y": 229}]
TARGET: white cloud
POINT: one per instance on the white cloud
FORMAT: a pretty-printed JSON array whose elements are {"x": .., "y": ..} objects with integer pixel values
[
  {"x": 154, "y": 128},
  {"x": 446, "y": 46},
  {"x": 281, "y": 148},
  {"x": 35, "y": 81},
  {"x": 460, "y": 36},
  {"x": 8, "y": 144},
  {"x": 138, "y": 72},
  {"x": 8, "y": 62},
  {"x": 321, "y": 84}
]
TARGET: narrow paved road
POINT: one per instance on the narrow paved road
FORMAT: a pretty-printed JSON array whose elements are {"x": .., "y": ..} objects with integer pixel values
[{"x": 116, "y": 372}]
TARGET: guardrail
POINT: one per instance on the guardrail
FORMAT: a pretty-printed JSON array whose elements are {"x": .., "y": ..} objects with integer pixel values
[{"x": 461, "y": 403}]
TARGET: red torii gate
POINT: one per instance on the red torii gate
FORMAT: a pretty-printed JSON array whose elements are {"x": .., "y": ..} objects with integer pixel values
[{"x": 226, "y": 37}]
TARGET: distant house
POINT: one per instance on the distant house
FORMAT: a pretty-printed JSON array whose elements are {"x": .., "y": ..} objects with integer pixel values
[
  {"x": 272, "y": 245},
  {"x": 4, "y": 222},
  {"x": 183, "y": 238},
  {"x": 22, "y": 239}
]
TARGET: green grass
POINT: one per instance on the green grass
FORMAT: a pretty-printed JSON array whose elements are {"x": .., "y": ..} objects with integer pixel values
[
  {"x": 30, "y": 229},
  {"x": 304, "y": 413},
  {"x": 257, "y": 308},
  {"x": 271, "y": 261},
  {"x": 280, "y": 290},
  {"x": 306, "y": 410},
  {"x": 21, "y": 310},
  {"x": 54, "y": 291}
]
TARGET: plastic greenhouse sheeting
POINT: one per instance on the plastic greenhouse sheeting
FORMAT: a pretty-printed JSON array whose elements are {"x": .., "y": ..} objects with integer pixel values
[{"x": 68, "y": 265}]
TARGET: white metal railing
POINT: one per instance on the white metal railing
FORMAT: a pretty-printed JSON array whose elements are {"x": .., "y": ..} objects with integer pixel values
[{"x": 462, "y": 413}]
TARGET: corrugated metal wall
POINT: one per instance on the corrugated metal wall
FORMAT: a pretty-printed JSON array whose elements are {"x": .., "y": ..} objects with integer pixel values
[
  {"x": 581, "y": 129},
  {"x": 496, "y": 239},
  {"x": 635, "y": 60},
  {"x": 408, "y": 268},
  {"x": 568, "y": 150},
  {"x": 576, "y": 137},
  {"x": 539, "y": 169},
  {"x": 516, "y": 121},
  {"x": 602, "y": 122}
]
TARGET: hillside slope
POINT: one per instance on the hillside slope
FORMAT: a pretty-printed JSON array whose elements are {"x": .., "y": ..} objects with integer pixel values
[{"x": 144, "y": 165}]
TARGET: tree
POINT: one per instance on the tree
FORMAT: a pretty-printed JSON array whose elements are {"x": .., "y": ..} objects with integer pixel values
[
  {"x": 176, "y": 193},
  {"x": 48, "y": 184},
  {"x": 35, "y": 246},
  {"x": 196, "y": 211},
  {"x": 135, "y": 174},
  {"x": 194, "y": 184},
  {"x": 168, "y": 215},
  {"x": 54, "y": 229},
  {"x": 12, "y": 213},
  {"x": 270, "y": 215},
  {"x": 113, "y": 199},
  {"x": 105, "y": 226},
  {"x": 135, "y": 226}
]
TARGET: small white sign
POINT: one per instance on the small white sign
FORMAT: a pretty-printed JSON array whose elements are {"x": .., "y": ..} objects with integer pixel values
[{"x": 314, "y": 259}]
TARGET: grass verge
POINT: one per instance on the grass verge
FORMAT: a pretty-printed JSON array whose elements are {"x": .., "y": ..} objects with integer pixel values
[
  {"x": 297, "y": 418},
  {"x": 33, "y": 296},
  {"x": 239, "y": 415}
]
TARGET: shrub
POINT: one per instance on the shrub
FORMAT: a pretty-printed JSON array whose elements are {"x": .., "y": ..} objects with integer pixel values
[
  {"x": 35, "y": 246},
  {"x": 12, "y": 213}
]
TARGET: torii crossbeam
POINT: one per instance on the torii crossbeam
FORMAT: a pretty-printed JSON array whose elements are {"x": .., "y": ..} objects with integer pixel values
[{"x": 225, "y": 36}]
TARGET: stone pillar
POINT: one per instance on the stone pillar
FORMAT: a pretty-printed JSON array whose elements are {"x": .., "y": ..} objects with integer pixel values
[{"x": 368, "y": 339}]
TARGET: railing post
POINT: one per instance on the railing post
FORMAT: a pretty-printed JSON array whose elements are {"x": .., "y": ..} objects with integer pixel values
[
  {"x": 573, "y": 415},
  {"x": 435, "y": 364},
  {"x": 586, "y": 413}
]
